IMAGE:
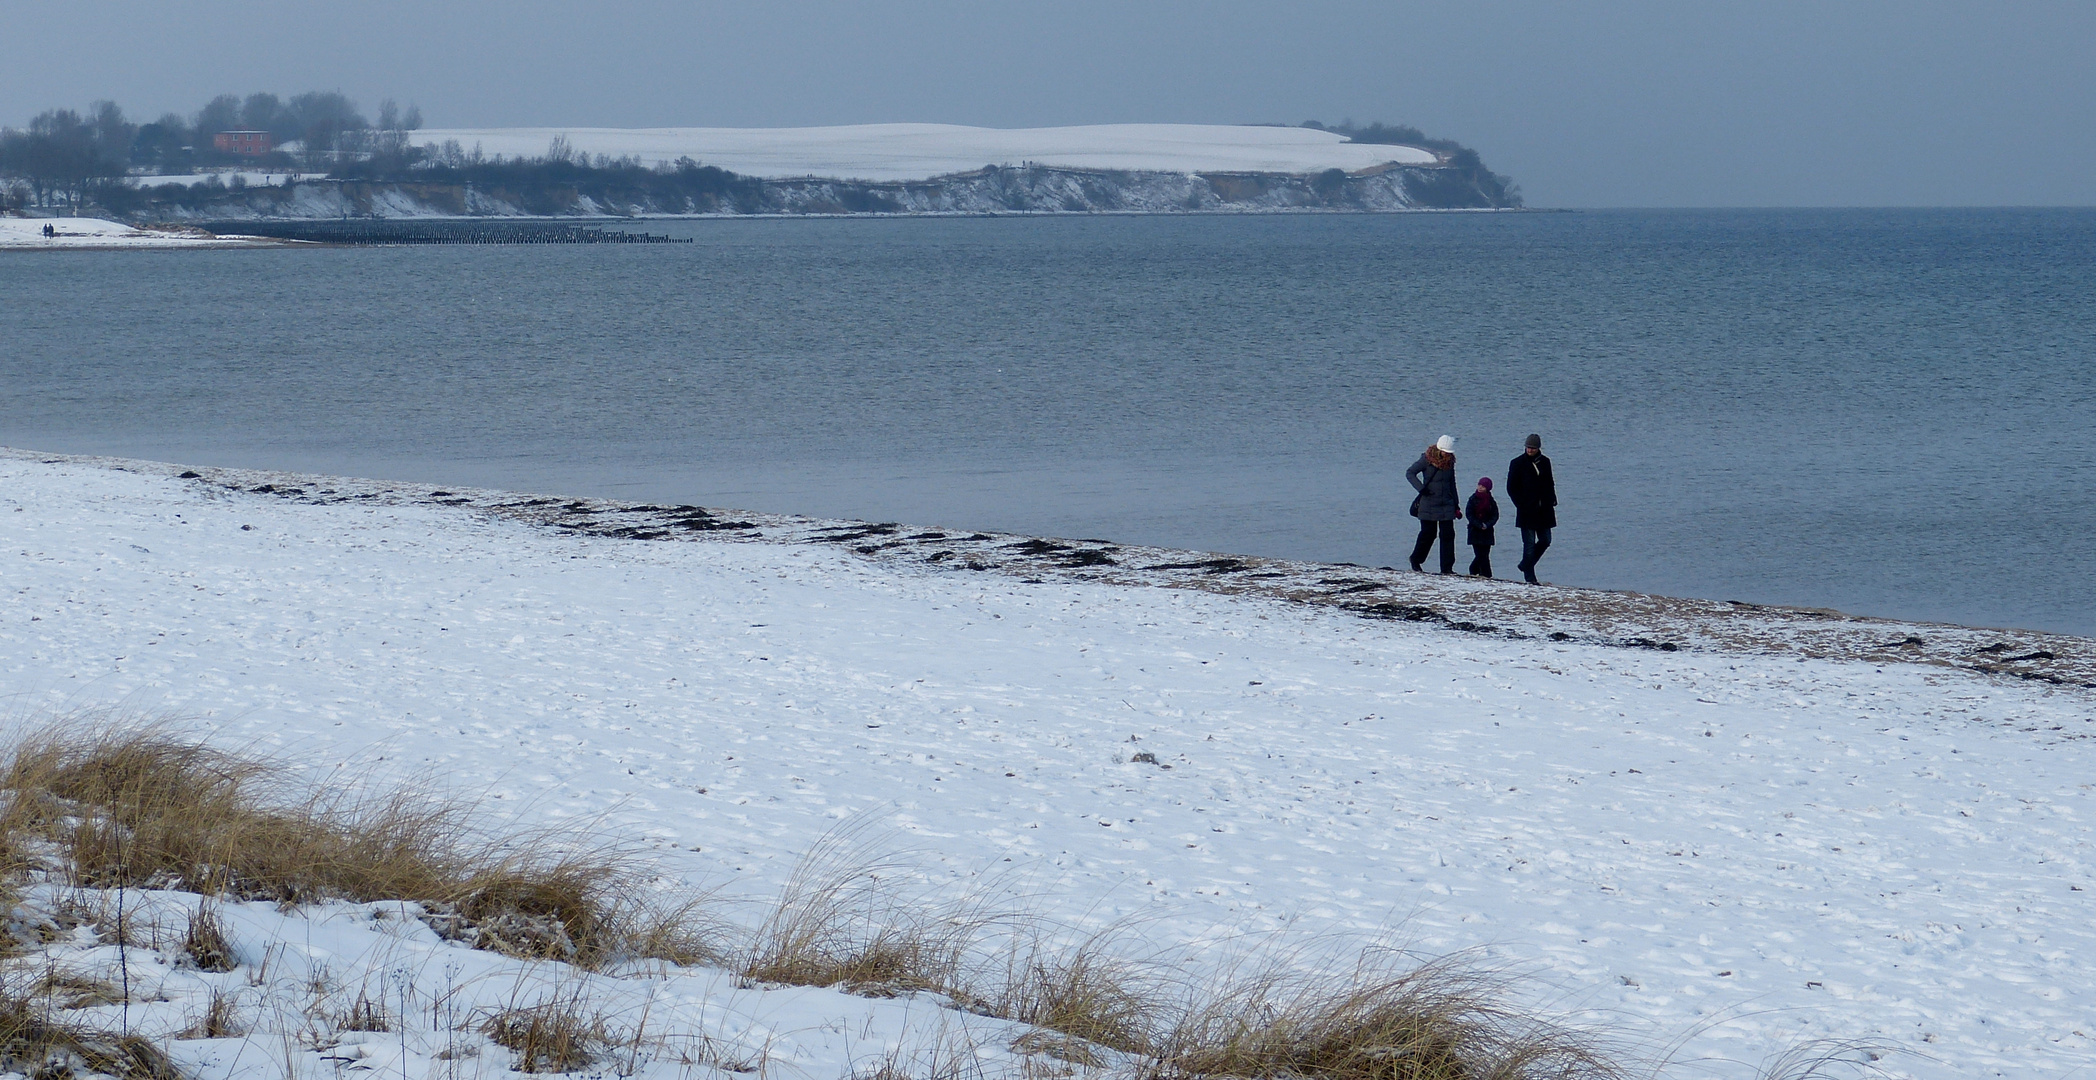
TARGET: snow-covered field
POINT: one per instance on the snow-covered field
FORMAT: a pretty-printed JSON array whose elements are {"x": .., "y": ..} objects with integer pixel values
[
  {"x": 77, "y": 233},
  {"x": 1727, "y": 850},
  {"x": 249, "y": 177},
  {"x": 920, "y": 151}
]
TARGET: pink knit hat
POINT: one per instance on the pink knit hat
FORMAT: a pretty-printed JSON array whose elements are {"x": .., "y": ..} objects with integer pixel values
[{"x": 1485, "y": 482}]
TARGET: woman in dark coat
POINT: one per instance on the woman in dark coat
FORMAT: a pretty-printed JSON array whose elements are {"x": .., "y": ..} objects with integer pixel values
[{"x": 1434, "y": 477}]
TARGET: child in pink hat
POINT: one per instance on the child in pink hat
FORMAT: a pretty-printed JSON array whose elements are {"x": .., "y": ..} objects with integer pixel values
[{"x": 1483, "y": 512}]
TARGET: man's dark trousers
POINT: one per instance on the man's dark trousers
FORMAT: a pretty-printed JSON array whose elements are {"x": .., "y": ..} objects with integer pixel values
[{"x": 1534, "y": 542}]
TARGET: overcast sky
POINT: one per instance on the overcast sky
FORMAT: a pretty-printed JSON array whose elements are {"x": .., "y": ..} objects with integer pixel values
[{"x": 1632, "y": 103}]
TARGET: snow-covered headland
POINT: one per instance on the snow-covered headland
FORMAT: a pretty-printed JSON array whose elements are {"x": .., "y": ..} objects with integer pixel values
[
  {"x": 898, "y": 152},
  {"x": 1724, "y": 829},
  {"x": 865, "y": 169}
]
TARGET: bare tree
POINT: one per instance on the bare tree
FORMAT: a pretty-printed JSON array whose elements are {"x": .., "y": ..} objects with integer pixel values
[
  {"x": 160, "y": 145},
  {"x": 263, "y": 112},
  {"x": 221, "y": 113},
  {"x": 64, "y": 155},
  {"x": 327, "y": 120},
  {"x": 112, "y": 136}
]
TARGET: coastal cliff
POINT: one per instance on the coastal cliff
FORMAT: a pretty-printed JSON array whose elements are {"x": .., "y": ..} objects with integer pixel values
[{"x": 989, "y": 190}]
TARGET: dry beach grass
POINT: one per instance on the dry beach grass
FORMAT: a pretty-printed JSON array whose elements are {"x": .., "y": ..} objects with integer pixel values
[
  {"x": 835, "y": 924},
  {"x": 555, "y": 1036},
  {"x": 96, "y": 803},
  {"x": 1084, "y": 991},
  {"x": 1387, "y": 1019},
  {"x": 131, "y": 805},
  {"x": 34, "y": 1039}
]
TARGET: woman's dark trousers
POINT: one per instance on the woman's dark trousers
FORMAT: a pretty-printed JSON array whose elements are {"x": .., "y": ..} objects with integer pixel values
[
  {"x": 1427, "y": 530},
  {"x": 1482, "y": 565}
]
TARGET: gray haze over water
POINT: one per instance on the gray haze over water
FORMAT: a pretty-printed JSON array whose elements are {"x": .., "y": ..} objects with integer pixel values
[
  {"x": 1882, "y": 411},
  {"x": 1625, "y": 103}
]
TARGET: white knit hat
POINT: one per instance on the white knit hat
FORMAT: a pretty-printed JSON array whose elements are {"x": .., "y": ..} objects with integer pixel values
[{"x": 1446, "y": 444}]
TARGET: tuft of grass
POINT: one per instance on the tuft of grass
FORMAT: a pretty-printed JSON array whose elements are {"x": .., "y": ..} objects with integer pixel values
[
  {"x": 837, "y": 923},
  {"x": 947, "y": 1058},
  {"x": 221, "y": 1019},
  {"x": 364, "y": 1014},
  {"x": 134, "y": 805},
  {"x": 1825, "y": 1059},
  {"x": 72, "y": 990},
  {"x": 889, "y": 960},
  {"x": 1069, "y": 1050},
  {"x": 1084, "y": 993},
  {"x": 553, "y": 1037},
  {"x": 892, "y": 1066},
  {"x": 33, "y": 1042},
  {"x": 686, "y": 932},
  {"x": 1433, "y": 1022},
  {"x": 204, "y": 942}
]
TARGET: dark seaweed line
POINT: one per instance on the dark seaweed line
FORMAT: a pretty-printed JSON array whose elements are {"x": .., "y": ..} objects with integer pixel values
[{"x": 1033, "y": 555}]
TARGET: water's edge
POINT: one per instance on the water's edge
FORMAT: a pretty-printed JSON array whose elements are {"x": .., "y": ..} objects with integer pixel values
[{"x": 1547, "y": 614}]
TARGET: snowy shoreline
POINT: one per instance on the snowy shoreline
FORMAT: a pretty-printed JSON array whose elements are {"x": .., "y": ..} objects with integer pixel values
[
  {"x": 1792, "y": 826},
  {"x": 1496, "y": 608},
  {"x": 97, "y": 234}
]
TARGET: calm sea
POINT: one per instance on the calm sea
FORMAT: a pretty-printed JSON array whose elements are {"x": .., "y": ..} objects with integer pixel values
[{"x": 1888, "y": 412}]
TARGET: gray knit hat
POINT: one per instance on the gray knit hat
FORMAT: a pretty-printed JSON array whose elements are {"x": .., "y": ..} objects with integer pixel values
[{"x": 1535, "y": 442}]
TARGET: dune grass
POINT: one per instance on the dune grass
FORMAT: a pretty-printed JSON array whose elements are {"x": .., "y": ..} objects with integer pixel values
[
  {"x": 555, "y": 1036},
  {"x": 130, "y": 805},
  {"x": 1388, "y": 1019},
  {"x": 33, "y": 1040},
  {"x": 204, "y": 942},
  {"x": 1085, "y": 992},
  {"x": 947, "y": 1058},
  {"x": 221, "y": 1019},
  {"x": 103, "y": 804},
  {"x": 838, "y": 922},
  {"x": 841, "y": 921}
]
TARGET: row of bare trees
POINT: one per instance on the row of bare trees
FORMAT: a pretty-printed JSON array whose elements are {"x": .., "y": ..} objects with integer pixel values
[
  {"x": 62, "y": 158},
  {"x": 63, "y": 154}
]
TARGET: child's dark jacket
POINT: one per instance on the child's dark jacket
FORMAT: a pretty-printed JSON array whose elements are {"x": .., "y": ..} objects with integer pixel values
[{"x": 1483, "y": 513}]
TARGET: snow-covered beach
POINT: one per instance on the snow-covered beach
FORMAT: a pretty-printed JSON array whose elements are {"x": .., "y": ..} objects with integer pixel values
[
  {"x": 97, "y": 234},
  {"x": 1786, "y": 827}
]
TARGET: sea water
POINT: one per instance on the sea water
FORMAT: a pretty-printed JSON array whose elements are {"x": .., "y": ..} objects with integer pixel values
[{"x": 1884, "y": 411}]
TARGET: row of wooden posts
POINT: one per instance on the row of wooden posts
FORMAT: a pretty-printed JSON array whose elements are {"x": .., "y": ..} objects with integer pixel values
[{"x": 438, "y": 232}]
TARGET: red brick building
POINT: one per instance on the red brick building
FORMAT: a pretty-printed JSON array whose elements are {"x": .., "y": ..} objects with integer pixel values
[{"x": 247, "y": 143}]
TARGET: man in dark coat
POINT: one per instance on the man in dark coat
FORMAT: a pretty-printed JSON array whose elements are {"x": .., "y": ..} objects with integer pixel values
[
  {"x": 1434, "y": 477},
  {"x": 1534, "y": 495}
]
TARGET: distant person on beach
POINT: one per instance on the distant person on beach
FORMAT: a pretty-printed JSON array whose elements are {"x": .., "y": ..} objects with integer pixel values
[
  {"x": 1434, "y": 477},
  {"x": 1484, "y": 514},
  {"x": 1534, "y": 495}
]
